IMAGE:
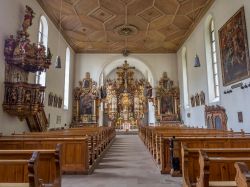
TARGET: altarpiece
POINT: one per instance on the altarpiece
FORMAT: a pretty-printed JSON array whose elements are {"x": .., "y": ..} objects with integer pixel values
[
  {"x": 126, "y": 98},
  {"x": 85, "y": 102},
  {"x": 167, "y": 101}
]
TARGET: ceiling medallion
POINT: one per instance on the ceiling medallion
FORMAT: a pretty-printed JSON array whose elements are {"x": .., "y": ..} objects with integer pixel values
[{"x": 126, "y": 30}]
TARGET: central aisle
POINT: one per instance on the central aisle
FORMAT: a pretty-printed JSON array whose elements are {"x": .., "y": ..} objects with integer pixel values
[{"x": 126, "y": 164}]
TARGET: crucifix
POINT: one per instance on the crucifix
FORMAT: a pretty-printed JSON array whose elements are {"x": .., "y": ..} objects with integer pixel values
[{"x": 125, "y": 69}]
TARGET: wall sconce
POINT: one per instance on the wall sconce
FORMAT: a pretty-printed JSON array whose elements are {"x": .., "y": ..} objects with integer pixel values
[{"x": 197, "y": 61}]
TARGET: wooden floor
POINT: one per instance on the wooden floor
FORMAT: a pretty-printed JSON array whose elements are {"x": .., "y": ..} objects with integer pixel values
[{"x": 126, "y": 164}]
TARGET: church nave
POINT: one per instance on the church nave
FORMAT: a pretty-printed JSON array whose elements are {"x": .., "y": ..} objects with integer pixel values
[{"x": 126, "y": 164}]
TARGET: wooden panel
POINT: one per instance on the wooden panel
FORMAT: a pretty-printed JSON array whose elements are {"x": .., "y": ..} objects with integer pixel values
[{"x": 105, "y": 15}]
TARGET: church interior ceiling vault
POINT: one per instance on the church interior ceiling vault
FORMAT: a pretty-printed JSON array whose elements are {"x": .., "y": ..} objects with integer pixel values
[{"x": 111, "y": 26}]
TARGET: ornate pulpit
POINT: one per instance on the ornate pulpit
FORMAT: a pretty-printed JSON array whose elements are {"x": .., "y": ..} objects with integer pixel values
[{"x": 22, "y": 57}]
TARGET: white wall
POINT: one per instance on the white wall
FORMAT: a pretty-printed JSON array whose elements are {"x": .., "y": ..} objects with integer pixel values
[
  {"x": 156, "y": 63},
  {"x": 11, "y": 17},
  {"x": 239, "y": 100}
]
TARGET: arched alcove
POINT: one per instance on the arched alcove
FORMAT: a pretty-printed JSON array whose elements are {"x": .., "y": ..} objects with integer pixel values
[
  {"x": 139, "y": 65},
  {"x": 141, "y": 71}
]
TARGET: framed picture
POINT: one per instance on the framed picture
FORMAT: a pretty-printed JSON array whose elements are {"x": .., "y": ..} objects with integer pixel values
[
  {"x": 240, "y": 117},
  {"x": 234, "y": 49}
]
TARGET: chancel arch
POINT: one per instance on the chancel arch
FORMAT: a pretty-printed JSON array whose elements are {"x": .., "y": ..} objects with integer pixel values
[
  {"x": 139, "y": 65},
  {"x": 128, "y": 94}
]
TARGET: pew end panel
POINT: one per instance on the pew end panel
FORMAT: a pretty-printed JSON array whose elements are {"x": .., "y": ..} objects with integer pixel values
[
  {"x": 242, "y": 177},
  {"x": 219, "y": 171}
]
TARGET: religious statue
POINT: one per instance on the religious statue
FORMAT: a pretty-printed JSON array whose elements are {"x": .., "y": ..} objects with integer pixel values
[{"x": 29, "y": 15}]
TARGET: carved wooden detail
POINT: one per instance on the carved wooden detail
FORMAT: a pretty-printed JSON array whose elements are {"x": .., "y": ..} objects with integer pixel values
[
  {"x": 85, "y": 101},
  {"x": 21, "y": 98},
  {"x": 147, "y": 26},
  {"x": 216, "y": 117},
  {"x": 167, "y": 100},
  {"x": 126, "y": 100}
]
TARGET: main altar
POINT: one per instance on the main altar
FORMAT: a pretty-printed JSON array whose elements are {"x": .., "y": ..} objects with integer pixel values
[{"x": 126, "y": 98}]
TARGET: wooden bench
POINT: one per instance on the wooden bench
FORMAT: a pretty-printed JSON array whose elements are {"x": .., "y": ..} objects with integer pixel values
[
  {"x": 49, "y": 165},
  {"x": 97, "y": 140},
  {"x": 29, "y": 167},
  {"x": 74, "y": 152},
  {"x": 190, "y": 160},
  {"x": 171, "y": 149},
  {"x": 219, "y": 171},
  {"x": 242, "y": 177},
  {"x": 151, "y": 136}
]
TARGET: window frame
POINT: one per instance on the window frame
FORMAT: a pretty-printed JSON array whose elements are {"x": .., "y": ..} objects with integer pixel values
[
  {"x": 214, "y": 59},
  {"x": 43, "y": 30},
  {"x": 66, "y": 79}
]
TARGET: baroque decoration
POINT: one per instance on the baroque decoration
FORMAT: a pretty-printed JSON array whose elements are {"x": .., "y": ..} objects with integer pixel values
[
  {"x": 216, "y": 117},
  {"x": 167, "y": 100},
  {"x": 125, "y": 98},
  {"x": 21, "y": 98},
  {"x": 85, "y": 101}
]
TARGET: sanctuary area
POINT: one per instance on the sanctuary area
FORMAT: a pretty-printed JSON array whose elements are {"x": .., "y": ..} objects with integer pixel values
[{"x": 138, "y": 93}]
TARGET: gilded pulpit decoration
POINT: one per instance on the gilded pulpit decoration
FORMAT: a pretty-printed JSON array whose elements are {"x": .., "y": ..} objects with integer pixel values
[
  {"x": 126, "y": 98},
  {"x": 21, "y": 98},
  {"x": 167, "y": 100},
  {"x": 85, "y": 101}
]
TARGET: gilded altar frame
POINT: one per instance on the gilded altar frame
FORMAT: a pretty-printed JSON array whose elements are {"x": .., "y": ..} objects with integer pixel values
[
  {"x": 167, "y": 101},
  {"x": 85, "y": 102}
]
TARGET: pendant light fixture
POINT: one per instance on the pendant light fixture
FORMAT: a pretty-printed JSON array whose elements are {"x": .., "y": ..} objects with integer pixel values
[{"x": 58, "y": 58}]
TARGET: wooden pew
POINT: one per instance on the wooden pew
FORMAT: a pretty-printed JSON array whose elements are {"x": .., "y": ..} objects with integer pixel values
[
  {"x": 152, "y": 135},
  {"x": 29, "y": 167},
  {"x": 171, "y": 149},
  {"x": 49, "y": 165},
  {"x": 218, "y": 171},
  {"x": 242, "y": 174},
  {"x": 190, "y": 160},
  {"x": 74, "y": 152},
  {"x": 97, "y": 140}
]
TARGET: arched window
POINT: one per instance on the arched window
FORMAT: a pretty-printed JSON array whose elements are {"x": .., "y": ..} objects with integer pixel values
[
  {"x": 43, "y": 39},
  {"x": 185, "y": 77},
  {"x": 214, "y": 60},
  {"x": 212, "y": 63},
  {"x": 66, "y": 83}
]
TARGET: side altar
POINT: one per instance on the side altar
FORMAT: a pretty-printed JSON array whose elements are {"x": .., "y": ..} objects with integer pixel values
[
  {"x": 167, "y": 101},
  {"x": 85, "y": 101}
]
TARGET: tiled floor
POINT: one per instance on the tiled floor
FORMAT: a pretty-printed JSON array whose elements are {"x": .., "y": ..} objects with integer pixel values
[{"x": 126, "y": 164}]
